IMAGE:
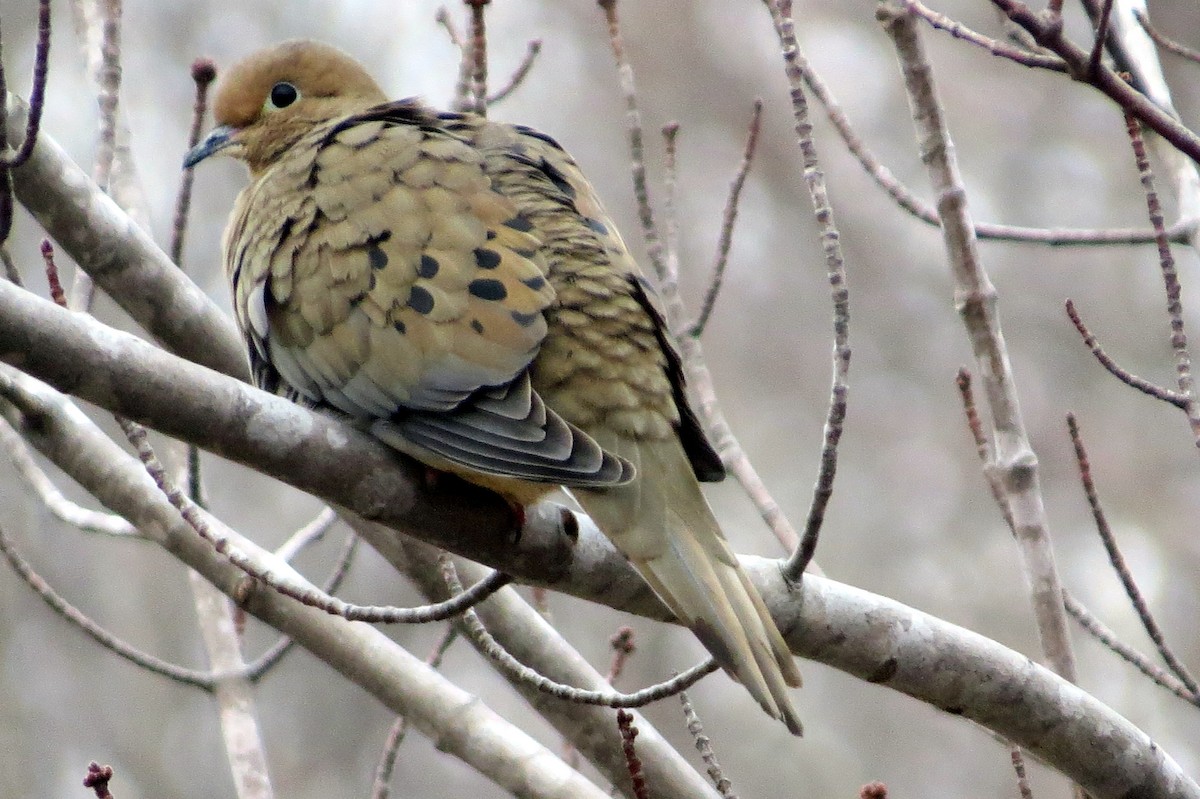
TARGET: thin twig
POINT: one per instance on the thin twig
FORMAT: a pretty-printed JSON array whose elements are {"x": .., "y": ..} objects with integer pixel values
[
  {"x": 462, "y": 84},
  {"x": 439, "y": 611},
  {"x": 728, "y": 220},
  {"x": 57, "y": 294},
  {"x": 704, "y": 747},
  {"x": 669, "y": 284},
  {"x": 307, "y": 535},
  {"x": 1140, "y": 606},
  {"x": 814, "y": 179},
  {"x": 108, "y": 78},
  {"x": 37, "y": 91},
  {"x": 637, "y": 160},
  {"x": 10, "y": 266},
  {"x": 982, "y": 448},
  {"x": 628, "y": 735},
  {"x": 262, "y": 665},
  {"x": 622, "y": 647},
  {"x": 996, "y": 47},
  {"x": 1049, "y": 32},
  {"x": 84, "y": 519},
  {"x": 532, "y": 50},
  {"x": 97, "y": 779},
  {"x": 478, "y": 56},
  {"x": 1101, "y": 37},
  {"x": 1166, "y": 261},
  {"x": 203, "y": 72},
  {"x": 1170, "y": 45},
  {"x": 1094, "y": 627},
  {"x": 518, "y": 671},
  {"x": 907, "y": 200},
  {"x": 180, "y": 674},
  {"x": 1126, "y": 377},
  {"x": 1018, "y": 764}
]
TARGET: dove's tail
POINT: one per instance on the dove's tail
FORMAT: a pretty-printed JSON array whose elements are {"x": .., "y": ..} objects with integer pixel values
[{"x": 663, "y": 524}]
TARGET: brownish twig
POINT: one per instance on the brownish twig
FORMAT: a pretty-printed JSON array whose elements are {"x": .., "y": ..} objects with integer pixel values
[
  {"x": 462, "y": 84},
  {"x": 1018, "y": 764},
  {"x": 1094, "y": 627},
  {"x": 97, "y": 779},
  {"x": 996, "y": 47},
  {"x": 474, "y": 629},
  {"x": 1140, "y": 606},
  {"x": 1166, "y": 262},
  {"x": 1126, "y": 377},
  {"x": 873, "y": 790},
  {"x": 32, "y": 124},
  {"x": 982, "y": 448},
  {"x": 669, "y": 283},
  {"x": 794, "y": 62},
  {"x": 1170, "y": 45},
  {"x": 622, "y": 647},
  {"x": 478, "y": 56},
  {"x": 1102, "y": 24},
  {"x": 37, "y": 91},
  {"x": 52, "y": 280},
  {"x": 179, "y": 674},
  {"x": 907, "y": 200},
  {"x": 728, "y": 219},
  {"x": 654, "y": 244},
  {"x": 532, "y": 50},
  {"x": 704, "y": 747},
  {"x": 1049, "y": 32},
  {"x": 628, "y": 735},
  {"x": 203, "y": 72}
]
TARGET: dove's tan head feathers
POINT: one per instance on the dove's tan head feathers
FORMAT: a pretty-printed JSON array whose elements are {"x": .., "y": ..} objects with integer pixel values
[{"x": 267, "y": 101}]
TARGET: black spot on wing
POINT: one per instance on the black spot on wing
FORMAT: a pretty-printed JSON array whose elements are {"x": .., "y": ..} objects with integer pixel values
[
  {"x": 400, "y": 327},
  {"x": 477, "y": 326},
  {"x": 535, "y": 283},
  {"x": 520, "y": 223},
  {"x": 420, "y": 300},
  {"x": 428, "y": 268},
  {"x": 377, "y": 257},
  {"x": 484, "y": 289},
  {"x": 596, "y": 225},
  {"x": 486, "y": 259},
  {"x": 525, "y": 319}
]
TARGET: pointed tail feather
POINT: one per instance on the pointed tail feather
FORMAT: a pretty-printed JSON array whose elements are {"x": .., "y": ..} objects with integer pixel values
[{"x": 662, "y": 523}]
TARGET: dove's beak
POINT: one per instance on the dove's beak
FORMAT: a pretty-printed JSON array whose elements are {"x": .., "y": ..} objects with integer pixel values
[{"x": 218, "y": 139}]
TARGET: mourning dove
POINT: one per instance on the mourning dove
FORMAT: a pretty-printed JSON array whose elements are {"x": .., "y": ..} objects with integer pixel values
[{"x": 455, "y": 284}]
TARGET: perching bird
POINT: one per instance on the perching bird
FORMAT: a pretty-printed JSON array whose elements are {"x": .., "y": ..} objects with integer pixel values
[{"x": 455, "y": 284}]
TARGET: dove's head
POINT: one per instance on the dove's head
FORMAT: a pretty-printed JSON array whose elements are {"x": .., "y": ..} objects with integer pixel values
[{"x": 269, "y": 100}]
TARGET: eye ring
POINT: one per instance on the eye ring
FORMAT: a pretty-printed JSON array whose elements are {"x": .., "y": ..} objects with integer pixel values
[{"x": 282, "y": 95}]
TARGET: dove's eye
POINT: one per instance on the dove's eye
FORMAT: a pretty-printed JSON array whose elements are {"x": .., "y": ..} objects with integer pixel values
[{"x": 282, "y": 95}]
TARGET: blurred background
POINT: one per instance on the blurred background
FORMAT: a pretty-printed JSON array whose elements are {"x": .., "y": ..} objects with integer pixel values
[{"x": 911, "y": 516}]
